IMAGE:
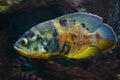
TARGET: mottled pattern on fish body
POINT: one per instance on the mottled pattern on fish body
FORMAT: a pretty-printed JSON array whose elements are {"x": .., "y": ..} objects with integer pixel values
[{"x": 77, "y": 35}]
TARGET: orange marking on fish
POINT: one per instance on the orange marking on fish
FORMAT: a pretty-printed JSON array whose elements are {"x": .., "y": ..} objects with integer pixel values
[
  {"x": 69, "y": 38},
  {"x": 98, "y": 37},
  {"x": 65, "y": 37},
  {"x": 79, "y": 38}
]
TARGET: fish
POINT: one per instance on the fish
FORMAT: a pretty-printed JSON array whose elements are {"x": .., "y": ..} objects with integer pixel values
[{"x": 78, "y": 35}]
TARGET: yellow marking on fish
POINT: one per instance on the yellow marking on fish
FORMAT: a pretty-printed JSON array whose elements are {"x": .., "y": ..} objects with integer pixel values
[
  {"x": 102, "y": 44},
  {"x": 41, "y": 55},
  {"x": 85, "y": 53},
  {"x": 58, "y": 26}
]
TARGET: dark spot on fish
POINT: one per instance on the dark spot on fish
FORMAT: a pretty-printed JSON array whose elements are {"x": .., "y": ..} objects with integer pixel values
[
  {"x": 74, "y": 36},
  {"x": 55, "y": 33},
  {"x": 83, "y": 25},
  {"x": 66, "y": 48},
  {"x": 74, "y": 20},
  {"x": 36, "y": 48},
  {"x": 52, "y": 45},
  {"x": 38, "y": 37},
  {"x": 29, "y": 34},
  {"x": 45, "y": 38},
  {"x": 87, "y": 28},
  {"x": 46, "y": 48},
  {"x": 63, "y": 22},
  {"x": 97, "y": 36}
]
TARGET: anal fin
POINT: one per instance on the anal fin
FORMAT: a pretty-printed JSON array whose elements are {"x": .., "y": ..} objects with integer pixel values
[{"x": 88, "y": 53}]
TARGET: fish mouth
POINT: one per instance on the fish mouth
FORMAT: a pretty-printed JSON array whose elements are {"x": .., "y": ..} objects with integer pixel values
[
  {"x": 33, "y": 54},
  {"x": 20, "y": 51}
]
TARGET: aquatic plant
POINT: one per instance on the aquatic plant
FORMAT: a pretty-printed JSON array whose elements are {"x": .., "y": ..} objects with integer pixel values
[{"x": 6, "y": 4}]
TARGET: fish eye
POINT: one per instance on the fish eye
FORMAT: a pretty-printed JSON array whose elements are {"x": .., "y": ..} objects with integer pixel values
[{"x": 23, "y": 42}]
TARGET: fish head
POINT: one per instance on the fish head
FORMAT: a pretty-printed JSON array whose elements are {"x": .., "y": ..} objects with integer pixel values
[{"x": 32, "y": 43}]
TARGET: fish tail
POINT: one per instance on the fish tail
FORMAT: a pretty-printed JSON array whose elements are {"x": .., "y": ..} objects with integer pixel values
[
  {"x": 108, "y": 38},
  {"x": 27, "y": 76}
]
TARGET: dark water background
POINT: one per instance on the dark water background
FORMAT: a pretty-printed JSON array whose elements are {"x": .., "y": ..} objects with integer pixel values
[{"x": 11, "y": 28}]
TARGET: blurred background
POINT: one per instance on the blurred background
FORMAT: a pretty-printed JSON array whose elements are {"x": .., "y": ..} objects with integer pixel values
[{"x": 17, "y": 16}]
